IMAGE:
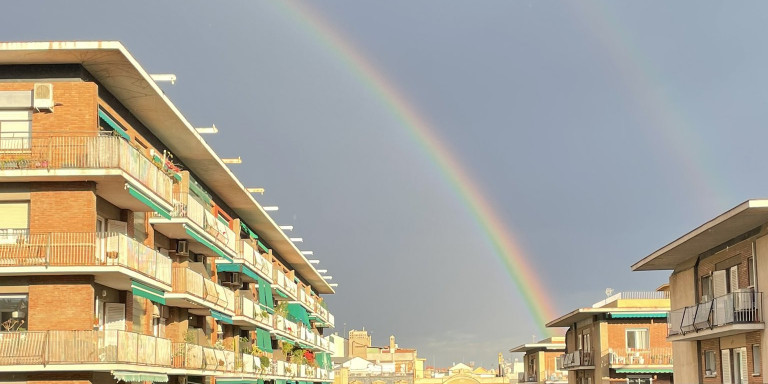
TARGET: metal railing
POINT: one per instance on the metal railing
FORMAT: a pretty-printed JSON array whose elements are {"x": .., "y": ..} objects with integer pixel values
[
  {"x": 190, "y": 282},
  {"x": 651, "y": 356},
  {"x": 186, "y": 206},
  {"x": 578, "y": 358},
  {"x": 83, "y": 347},
  {"x": 85, "y": 152},
  {"x": 733, "y": 308},
  {"x": 83, "y": 249}
]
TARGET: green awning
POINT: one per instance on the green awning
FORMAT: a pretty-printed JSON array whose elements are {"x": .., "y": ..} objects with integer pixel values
[
  {"x": 134, "y": 377},
  {"x": 280, "y": 381},
  {"x": 644, "y": 370},
  {"x": 205, "y": 242},
  {"x": 265, "y": 295},
  {"x": 297, "y": 313},
  {"x": 262, "y": 246},
  {"x": 148, "y": 202},
  {"x": 221, "y": 317},
  {"x": 280, "y": 292},
  {"x": 228, "y": 267},
  {"x": 231, "y": 380},
  {"x": 264, "y": 340},
  {"x": 115, "y": 126},
  {"x": 248, "y": 230},
  {"x": 638, "y": 315},
  {"x": 148, "y": 292},
  {"x": 285, "y": 339},
  {"x": 302, "y": 345},
  {"x": 195, "y": 188}
]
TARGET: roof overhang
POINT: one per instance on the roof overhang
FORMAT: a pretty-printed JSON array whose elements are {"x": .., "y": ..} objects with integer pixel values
[
  {"x": 741, "y": 219},
  {"x": 535, "y": 347},
  {"x": 585, "y": 313},
  {"x": 112, "y": 65}
]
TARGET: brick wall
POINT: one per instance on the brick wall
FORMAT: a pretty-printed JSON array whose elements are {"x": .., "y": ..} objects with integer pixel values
[
  {"x": 61, "y": 303},
  {"x": 754, "y": 338},
  {"x": 62, "y": 207},
  {"x": 75, "y": 108},
  {"x": 711, "y": 345},
  {"x": 742, "y": 250},
  {"x": 657, "y": 329}
]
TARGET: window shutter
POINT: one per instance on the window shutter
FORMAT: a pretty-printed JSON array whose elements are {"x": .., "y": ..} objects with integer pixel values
[
  {"x": 113, "y": 227},
  {"x": 114, "y": 321},
  {"x": 719, "y": 283},
  {"x": 14, "y": 215},
  {"x": 734, "y": 278},
  {"x": 726, "y": 366},
  {"x": 743, "y": 365}
]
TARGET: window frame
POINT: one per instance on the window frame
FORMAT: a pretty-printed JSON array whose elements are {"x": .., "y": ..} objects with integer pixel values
[
  {"x": 647, "y": 339},
  {"x": 713, "y": 371},
  {"x": 25, "y": 140},
  {"x": 757, "y": 368}
]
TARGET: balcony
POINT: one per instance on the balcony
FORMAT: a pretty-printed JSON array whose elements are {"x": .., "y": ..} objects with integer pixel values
[
  {"x": 579, "y": 359},
  {"x": 286, "y": 327},
  {"x": 733, "y": 313},
  {"x": 250, "y": 258},
  {"x": 35, "y": 351},
  {"x": 640, "y": 357},
  {"x": 192, "y": 220},
  {"x": 108, "y": 160},
  {"x": 249, "y": 314},
  {"x": 113, "y": 258},
  {"x": 284, "y": 285},
  {"x": 192, "y": 290},
  {"x": 198, "y": 358}
]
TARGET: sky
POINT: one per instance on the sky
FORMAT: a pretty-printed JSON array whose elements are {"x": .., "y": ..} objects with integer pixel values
[{"x": 463, "y": 169}]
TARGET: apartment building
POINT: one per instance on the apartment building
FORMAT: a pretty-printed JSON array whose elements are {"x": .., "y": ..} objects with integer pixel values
[
  {"x": 128, "y": 250},
  {"x": 621, "y": 339},
  {"x": 541, "y": 361},
  {"x": 716, "y": 325}
]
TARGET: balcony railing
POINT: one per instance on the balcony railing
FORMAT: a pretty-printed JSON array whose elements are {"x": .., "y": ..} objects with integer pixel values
[
  {"x": 287, "y": 326},
  {"x": 284, "y": 282},
  {"x": 250, "y": 309},
  {"x": 254, "y": 259},
  {"x": 197, "y": 357},
  {"x": 186, "y": 206},
  {"x": 83, "y": 347},
  {"x": 733, "y": 308},
  {"x": 190, "y": 282},
  {"x": 652, "y": 356},
  {"x": 85, "y": 152},
  {"x": 83, "y": 249},
  {"x": 575, "y": 359}
]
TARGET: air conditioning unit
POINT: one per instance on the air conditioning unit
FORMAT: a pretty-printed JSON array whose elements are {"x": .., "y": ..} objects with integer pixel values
[
  {"x": 233, "y": 280},
  {"x": 43, "y": 96},
  {"x": 182, "y": 247}
]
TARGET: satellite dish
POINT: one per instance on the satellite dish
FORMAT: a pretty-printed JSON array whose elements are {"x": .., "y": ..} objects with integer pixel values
[{"x": 608, "y": 292}]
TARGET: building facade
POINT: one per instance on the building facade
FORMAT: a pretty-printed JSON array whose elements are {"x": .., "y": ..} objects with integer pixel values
[
  {"x": 541, "y": 361},
  {"x": 619, "y": 340},
  {"x": 716, "y": 324},
  {"x": 128, "y": 250}
]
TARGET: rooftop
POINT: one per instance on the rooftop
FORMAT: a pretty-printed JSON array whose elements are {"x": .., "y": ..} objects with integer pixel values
[{"x": 741, "y": 219}]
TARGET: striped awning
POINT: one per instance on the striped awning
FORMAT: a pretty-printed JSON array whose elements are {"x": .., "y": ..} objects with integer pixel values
[
  {"x": 638, "y": 315},
  {"x": 147, "y": 292}
]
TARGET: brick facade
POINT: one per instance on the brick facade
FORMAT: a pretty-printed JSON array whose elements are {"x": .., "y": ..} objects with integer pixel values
[{"x": 62, "y": 303}]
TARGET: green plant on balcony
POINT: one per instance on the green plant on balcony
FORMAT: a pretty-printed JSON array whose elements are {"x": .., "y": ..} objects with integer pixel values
[{"x": 281, "y": 309}]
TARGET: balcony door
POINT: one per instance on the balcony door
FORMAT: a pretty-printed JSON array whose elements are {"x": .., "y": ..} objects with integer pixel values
[{"x": 740, "y": 373}]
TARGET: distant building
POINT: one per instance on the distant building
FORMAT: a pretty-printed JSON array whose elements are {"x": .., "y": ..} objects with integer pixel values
[
  {"x": 620, "y": 339},
  {"x": 541, "y": 361}
]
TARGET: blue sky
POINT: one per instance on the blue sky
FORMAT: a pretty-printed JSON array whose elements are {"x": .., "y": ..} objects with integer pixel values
[{"x": 600, "y": 131}]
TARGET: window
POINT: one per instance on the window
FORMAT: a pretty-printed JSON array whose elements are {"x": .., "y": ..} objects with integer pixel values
[
  {"x": 756, "y": 360},
  {"x": 637, "y": 338},
  {"x": 706, "y": 288},
  {"x": 13, "y": 312},
  {"x": 710, "y": 369},
  {"x": 15, "y": 126},
  {"x": 14, "y": 220},
  {"x": 639, "y": 380}
]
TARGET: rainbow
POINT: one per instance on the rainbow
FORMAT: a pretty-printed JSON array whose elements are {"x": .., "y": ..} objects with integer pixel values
[
  {"x": 501, "y": 239},
  {"x": 669, "y": 129}
]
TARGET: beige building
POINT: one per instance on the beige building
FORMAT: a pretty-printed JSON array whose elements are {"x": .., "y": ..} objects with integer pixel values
[
  {"x": 716, "y": 325},
  {"x": 621, "y": 339},
  {"x": 541, "y": 361}
]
